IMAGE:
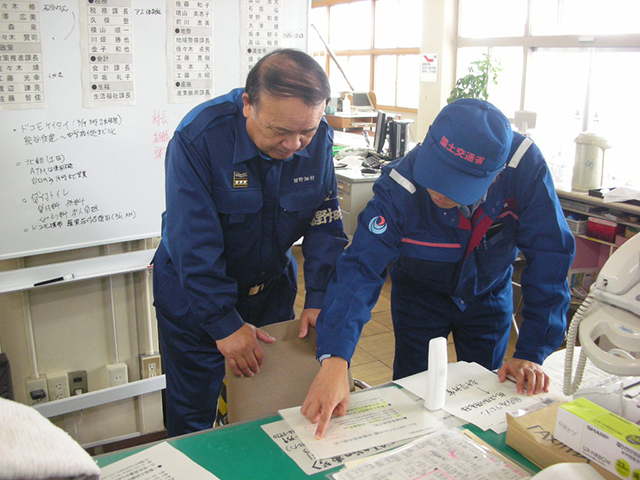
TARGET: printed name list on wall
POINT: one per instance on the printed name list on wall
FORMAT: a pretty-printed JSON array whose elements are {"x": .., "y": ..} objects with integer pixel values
[
  {"x": 260, "y": 29},
  {"x": 107, "y": 52},
  {"x": 189, "y": 50},
  {"x": 21, "y": 82}
]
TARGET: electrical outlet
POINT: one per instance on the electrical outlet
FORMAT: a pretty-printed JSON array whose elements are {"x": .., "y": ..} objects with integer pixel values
[
  {"x": 117, "y": 374},
  {"x": 37, "y": 391},
  {"x": 150, "y": 366},
  {"x": 58, "y": 385},
  {"x": 78, "y": 382}
]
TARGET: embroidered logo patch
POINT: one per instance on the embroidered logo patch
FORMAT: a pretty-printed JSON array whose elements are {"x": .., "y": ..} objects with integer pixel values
[
  {"x": 240, "y": 179},
  {"x": 378, "y": 225}
]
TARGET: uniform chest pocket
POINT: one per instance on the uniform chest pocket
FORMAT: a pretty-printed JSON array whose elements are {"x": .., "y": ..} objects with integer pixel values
[
  {"x": 302, "y": 202},
  {"x": 236, "y": 206}
]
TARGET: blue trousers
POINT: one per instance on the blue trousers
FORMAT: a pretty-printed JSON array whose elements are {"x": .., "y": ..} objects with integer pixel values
[
  {"x": 480, "y": 332},
  {"x": 194, "y": 366}
]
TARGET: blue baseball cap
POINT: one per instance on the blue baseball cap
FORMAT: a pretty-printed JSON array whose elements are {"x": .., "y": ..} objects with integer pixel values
[{"x": 465, "y": 148}]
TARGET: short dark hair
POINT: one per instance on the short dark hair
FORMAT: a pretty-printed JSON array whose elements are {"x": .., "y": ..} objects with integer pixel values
[{"x": 288, "y": 73}]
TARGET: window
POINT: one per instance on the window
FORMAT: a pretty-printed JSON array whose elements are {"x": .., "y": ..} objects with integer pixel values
[
  {"x": 376, "y": 42},
  {"x": 574, "y": 63}
]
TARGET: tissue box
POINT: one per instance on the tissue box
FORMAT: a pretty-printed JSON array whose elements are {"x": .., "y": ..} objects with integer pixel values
[
  {"x": 531, "y": 434},
  {"x": 600, "y": 435}
]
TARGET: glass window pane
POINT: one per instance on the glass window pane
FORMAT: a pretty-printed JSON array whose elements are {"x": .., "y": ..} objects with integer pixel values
[
  {"x": 318, "y": 18},
  {"x": 384, "y": 80},
  {"x": 492, "y": 18},
  {"x": 506, "y": 93},
  {"x": 596, "y": 17},
  {"x": 336, "y": 78},
  {"x": 556, "y": 91},
  {"x": 359, "y": 72},
  {"x": 398, "y": 23},
  {"x": 408, "y": 81},
  {"x": 386, "y": 24},
  {"x": 613, "y": 114},
  {"x": 410, "y": 23},
  {"x": 350, "y": 26}
]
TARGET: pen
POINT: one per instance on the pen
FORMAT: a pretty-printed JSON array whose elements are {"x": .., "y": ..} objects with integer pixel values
[{"x": 68, "y": 276}]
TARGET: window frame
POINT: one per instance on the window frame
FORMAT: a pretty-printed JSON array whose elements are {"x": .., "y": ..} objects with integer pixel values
[{"x": 331, "y": 68}]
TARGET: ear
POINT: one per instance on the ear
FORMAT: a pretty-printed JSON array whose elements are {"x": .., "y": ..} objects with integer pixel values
[{"x": 248, "y": 110}]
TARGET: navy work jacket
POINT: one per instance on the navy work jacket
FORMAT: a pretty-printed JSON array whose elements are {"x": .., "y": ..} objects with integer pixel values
[
  {"x": 467, "y": 259},
  {"x": 232, "y": 214}
]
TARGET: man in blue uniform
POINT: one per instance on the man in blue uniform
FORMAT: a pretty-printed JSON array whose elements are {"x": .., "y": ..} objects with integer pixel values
[
  {"x": 451, "y": 217},
  {"x": 247, "y": 175}
]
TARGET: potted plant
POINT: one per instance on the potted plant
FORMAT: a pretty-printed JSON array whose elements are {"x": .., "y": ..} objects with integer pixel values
[{"x": 475, "y": 83}]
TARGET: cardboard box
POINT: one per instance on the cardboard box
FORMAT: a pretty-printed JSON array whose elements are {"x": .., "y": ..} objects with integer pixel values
[
  {"x": 531, "y": 434},
  {"x": 606, "y": 438}
]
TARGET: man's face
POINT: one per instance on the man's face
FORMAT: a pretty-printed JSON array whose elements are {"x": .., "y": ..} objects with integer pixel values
[
  {"x": 283, "y": 126},
  {"x": 440, "y": 200}
]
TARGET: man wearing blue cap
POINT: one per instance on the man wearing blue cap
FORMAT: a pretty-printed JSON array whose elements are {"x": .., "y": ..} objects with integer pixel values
[{"x": 450, "y": 217}]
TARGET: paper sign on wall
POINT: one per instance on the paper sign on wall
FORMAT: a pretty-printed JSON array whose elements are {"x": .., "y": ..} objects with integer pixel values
[{"x": 429, "y": 67}]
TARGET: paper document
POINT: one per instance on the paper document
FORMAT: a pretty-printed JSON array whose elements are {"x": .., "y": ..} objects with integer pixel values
[
  {"x": 476, "y": 395},
  {"x": 162, "y": 462},
  {"x": 375, "y": 417},
  {"x": 593, "y": 376},
  {"x": 444, "y": 455},
  {"x": 287, "y": 439}
]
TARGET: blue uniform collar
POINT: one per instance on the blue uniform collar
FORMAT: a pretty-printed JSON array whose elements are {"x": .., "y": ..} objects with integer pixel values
[{"x": 244, "y": 148}]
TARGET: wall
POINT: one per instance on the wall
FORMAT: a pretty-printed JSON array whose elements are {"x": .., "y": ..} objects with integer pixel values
[
  {"x": 438, "y": 36},
  {"x": 74, "y": 329}
]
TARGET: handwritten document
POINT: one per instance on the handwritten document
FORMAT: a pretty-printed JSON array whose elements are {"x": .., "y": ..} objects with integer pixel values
[
  {"x": 162, "y": 462},
  {"x": 374, "y": 417},
  {"x": 287, "y": 439},
  {"x": 444, "y": 455},
  {"x": 476, "y": 395}
]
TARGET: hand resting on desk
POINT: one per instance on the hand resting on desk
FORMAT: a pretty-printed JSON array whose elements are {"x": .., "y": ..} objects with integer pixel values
[{"x": 526, "y": 374}]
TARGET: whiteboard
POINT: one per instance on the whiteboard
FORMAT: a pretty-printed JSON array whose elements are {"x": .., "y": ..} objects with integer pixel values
[{"x": 76, "y": 176}]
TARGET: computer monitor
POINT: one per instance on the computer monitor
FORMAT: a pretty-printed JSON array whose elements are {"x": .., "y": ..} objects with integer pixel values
[
  {"x": 380, "y": 132},
  {"x": 362, "y": 102}
]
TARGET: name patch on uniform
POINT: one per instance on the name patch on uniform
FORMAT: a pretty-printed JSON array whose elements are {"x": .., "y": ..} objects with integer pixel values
[{"x": 240, "y": 179}]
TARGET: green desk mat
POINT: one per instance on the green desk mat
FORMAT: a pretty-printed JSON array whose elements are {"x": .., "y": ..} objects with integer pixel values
[{"x": 245, "y": 451}]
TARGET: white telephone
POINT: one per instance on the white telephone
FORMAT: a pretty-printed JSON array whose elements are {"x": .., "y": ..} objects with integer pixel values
[{"x": 612, "y": 309}]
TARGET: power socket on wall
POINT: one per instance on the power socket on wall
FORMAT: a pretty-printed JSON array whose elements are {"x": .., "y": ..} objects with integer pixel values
[
  {"x": 117, "y": 374},
  {"x": 150, "y": 366},
  {"x": 58, "y": 385}
]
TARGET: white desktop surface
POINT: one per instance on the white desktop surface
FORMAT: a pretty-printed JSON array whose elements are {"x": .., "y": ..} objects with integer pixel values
[{"x": 360, "y": 114}]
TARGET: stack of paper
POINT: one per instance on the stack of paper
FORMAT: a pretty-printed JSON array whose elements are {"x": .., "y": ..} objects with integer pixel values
[
  {"x": 375, "y": 417},
  {"x": 475, "y": 395}
]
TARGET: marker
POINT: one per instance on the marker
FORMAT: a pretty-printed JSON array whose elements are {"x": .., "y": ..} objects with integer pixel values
[{"x": 68, "y": 276}]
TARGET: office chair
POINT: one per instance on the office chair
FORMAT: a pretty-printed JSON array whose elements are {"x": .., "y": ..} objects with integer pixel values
[{"x": 284, "y": 378}]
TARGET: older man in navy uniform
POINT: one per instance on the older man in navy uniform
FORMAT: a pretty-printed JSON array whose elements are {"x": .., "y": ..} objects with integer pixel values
[{"x": 247, "y": 175}]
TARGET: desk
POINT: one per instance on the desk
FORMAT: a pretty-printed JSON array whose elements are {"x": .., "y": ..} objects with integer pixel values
[
  {"x": 243, "y": 451},
  {"x": 355, "y": 189},
  {"x": 350, "y": 121}
]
